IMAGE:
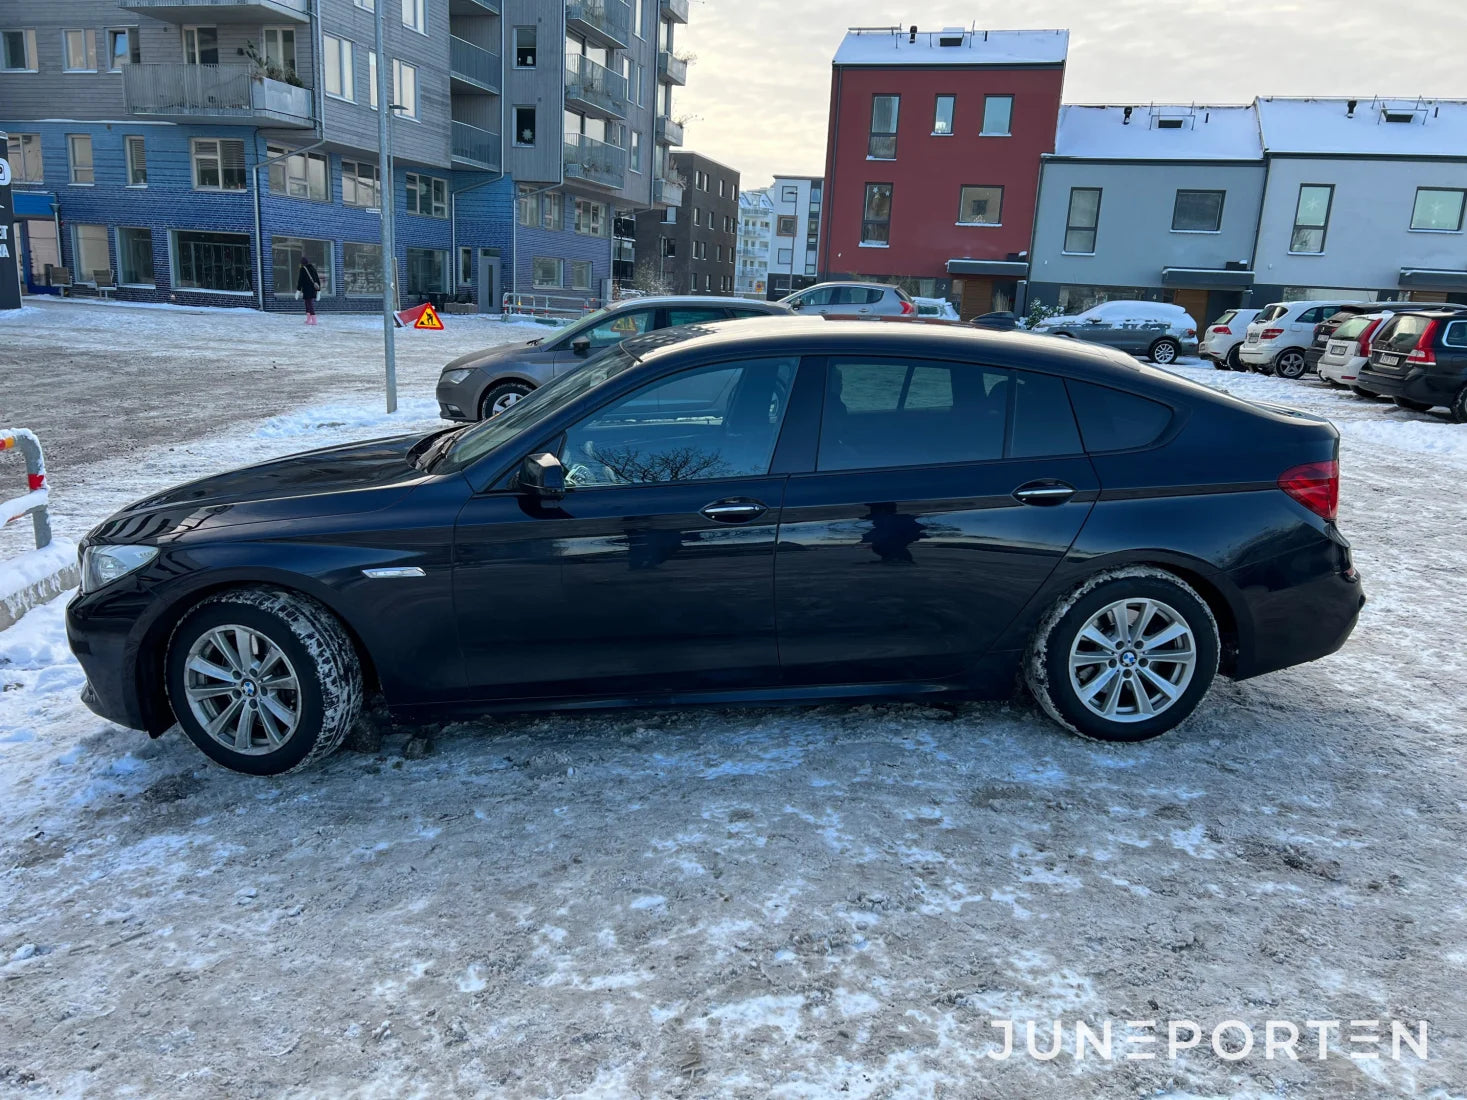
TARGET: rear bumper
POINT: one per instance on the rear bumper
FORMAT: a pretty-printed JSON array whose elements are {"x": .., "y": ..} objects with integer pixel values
[
  {"x": 1417, "y": 384},
  {"x": 1298, "y": 620},
  {"x": 1258, "y": 354}
]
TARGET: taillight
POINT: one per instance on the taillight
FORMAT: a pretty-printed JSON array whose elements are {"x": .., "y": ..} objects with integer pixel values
[
  {"x": 1364, "y": 347},
  {"x": 1271, "y": 334},
  {"x": 1423, "y": 354},
  {"x": 1221, "y": 330},
  {"x": 908, "y": 308},
  {"x": 1316, "y": 485},
  {"x": 1190, "y": 334}
]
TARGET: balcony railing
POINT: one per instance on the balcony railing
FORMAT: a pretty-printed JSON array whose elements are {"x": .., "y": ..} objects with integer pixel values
[
  {"x": 473, "y": 7},
  {"x": 474, "y": 65},
  {"x": 213, "y": 93},
  {"x": 674, "y": 10},
  {"x": 209, "y": 12},
  {"x": 608, "y": 21},
  {"x": 595, "y": 87},
  {"x": 595, "y": 161},
  {"x": 475, "y": 147},
  {"x": 669, "y": 132},
  {"x": 669, "y": 192},
  {"x": 671, "y": 69}
]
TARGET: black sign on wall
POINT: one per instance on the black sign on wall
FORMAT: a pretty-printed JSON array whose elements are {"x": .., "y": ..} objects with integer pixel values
[{"x": 9, "y": 246}]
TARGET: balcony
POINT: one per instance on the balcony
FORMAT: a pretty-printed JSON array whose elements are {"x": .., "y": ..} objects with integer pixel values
[
  {"x": 671, "y": 69},
  {"x": 668, "y": 192},
  {"x": 213, "y": 93},
  {"x": 474, "y": 7},
  {"x": 675, "y": 11},
  {"x": 212, "y": 12},
  {"x": 472, "y": 68},
  {"x": 476, "y": 148},
  {"x": 594, "y": 88},
  {"x": 595, "y": 161},
  {"x": 608, "y": 22},
  {"x": 669, "y": 132}
]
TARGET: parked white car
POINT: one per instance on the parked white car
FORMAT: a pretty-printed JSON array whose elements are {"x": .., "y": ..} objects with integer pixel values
[
  {"x": 1277, "y": 337},
  {"x": 1161, "y": 331},
  {"x": 1220, "y": 343}
]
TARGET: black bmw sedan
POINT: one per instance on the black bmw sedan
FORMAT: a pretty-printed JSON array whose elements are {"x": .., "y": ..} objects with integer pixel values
[{"x": 762, "y": 510}]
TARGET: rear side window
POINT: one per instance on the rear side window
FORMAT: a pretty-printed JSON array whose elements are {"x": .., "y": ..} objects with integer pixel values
[
  {"x": 1456, "y": 334},
  {"x": 1403, "y": 331},
  {"x": 1226, "y": 317},
  {"x": 1273, "y": 312},
  {"x": 1044, "y": 423},
  {"x": 1114, "y": 421},
  {"x": 1312, "y": 316},
  {"x": 693, "y": 315}
]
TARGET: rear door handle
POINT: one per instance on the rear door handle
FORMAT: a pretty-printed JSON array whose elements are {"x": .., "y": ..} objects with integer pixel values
[
  {"x": 1044, "y": 492},
  {"x": 739, "y": 510}
]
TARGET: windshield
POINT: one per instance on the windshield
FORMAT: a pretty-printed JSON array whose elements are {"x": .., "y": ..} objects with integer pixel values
[{"x": 525, "y": 415}]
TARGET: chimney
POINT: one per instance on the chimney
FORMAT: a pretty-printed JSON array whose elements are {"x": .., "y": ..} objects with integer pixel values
[
  {"x": 1350, "y": 108},
  {"x": 1126, "y": 116},
  {"x": 912, "y": 35}
]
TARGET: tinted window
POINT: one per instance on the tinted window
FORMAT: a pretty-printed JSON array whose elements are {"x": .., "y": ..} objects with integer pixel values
[
  {"x": 890, "y": 413},
  {"x": 1353, "y": 327},
  {"x": 1456, "y": 334},
  {"x": 612, "y": 330},
  {"x": 1043, "y": 421},
  {"x": 715, "y": 422},
  {"x": 1403, "y": 331},
  {"x": 1114, "y": 421},
  {"x": 1313, "y": 316},
  {"x": 693, "y": 316},
  {"x": 748, "y": 313},
  {"x": 1273, "y": 312}
]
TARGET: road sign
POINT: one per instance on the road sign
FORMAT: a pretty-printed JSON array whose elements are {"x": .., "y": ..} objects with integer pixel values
[{"x": 423, "y": 316}]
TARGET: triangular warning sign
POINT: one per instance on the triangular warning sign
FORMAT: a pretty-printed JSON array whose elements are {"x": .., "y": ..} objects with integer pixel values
[{"x": 428, "y": 318}]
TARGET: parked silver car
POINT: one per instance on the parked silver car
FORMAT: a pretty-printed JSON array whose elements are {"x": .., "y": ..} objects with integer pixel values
[
  {"x": 1159, "y": 330},
  {"x": 485, "y": 383},
  {"x": 852, "y": 300}
]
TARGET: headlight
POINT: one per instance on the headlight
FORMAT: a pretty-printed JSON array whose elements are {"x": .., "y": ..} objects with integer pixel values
[
  {"x": 101, "y": 565},
  {"x": 454, "y": 377}
]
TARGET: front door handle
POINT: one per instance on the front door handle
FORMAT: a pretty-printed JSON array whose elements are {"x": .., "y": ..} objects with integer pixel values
[
  {"x": 1044, "y": 492},
  {"x": 739, "y": 510}
]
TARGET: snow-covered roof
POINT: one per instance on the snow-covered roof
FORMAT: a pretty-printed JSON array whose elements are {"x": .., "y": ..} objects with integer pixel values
[
  {"x": 893, "y": 46},
  {"x": 1427, "y": 127},
  {"x": 1158, "y": 132}
]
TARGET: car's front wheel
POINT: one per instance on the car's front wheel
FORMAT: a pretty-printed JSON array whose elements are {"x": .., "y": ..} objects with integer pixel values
[
  {"x": 1164, "y": 351},
  {"x": 1290, "y": 364},
  {"x": 499, "y": 397},
  {"x": 1126, "y": 657},
  {"x": 1234, "y": 362},
  {"x": 263, "y": 681}
]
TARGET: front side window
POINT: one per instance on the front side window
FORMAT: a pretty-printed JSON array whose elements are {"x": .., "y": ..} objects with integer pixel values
[
  {"x": 361, "y": 269},
  {"x": 299, "y": 175},
  {"x": 1438, "y": 209},
  {"x": 526, "y": 51},
  {"x": 92, "y": 259},
  {"x": 18, "y": 51},
  {"x": 24, "y": 153},
  {"x": 606, "y": 329},
  {"x": 79, "y": 148},
  {"x": 715, "y": 422},
  {"x": 1083, "y": 219},
  {"x": 137, "y": 162},
  {"x": 360, "y": 185},
  {"x": 981, "y": 206},
  {"x": 883, "y": 142},
  {"x": 285, "y": 263},
  {"x": 876, "y": 216},
  {"x": 1198, "y": 211},
  {"x": 998, "y": 115},
  {"x": 201, "y": 45},
  {"x": 80, "y": 50},
  {"x": 1311, "y": 217},
  {"x": 211, "y": 261},
  {"x": 548, "y": 272},
  {"x": 943, "y": 122},
  {"x": 135, "y": 257},
  {"x": 339, "y": 79},
  {"x": 218, "y": 164}
]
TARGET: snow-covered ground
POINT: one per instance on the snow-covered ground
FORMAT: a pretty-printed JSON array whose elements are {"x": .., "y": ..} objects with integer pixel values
[{"x": 753, "y": 902}]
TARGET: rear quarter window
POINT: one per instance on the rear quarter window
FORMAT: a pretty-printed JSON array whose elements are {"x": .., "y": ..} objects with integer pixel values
[
  {"x": 1273, "y": 312},
  {"x": 1044, "y": 423},
  {"x": 1111, "y": 420},
  {"x": 1456, "y": 334}
]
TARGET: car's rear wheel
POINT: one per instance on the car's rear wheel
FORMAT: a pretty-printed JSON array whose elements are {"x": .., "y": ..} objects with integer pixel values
[
  {"x": 1234, "y": 362},
  {"x": 1290, "y": 364},
  {"x": 263, "y": 681},
  {"x": 503, "y": 395},
  {"x": 1126, "y": 657},
  {"x": 1164, "y": 351},
  {"x": 1457, "y": 410},
  {"x": 1412, "y": 406}
]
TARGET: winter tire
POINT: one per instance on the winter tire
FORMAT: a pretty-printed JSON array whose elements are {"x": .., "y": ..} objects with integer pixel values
[
  {"x": 501, "y": 396},
  {"x": 1164, "y": 352},
  {"x": 1412, "y": 406},
  {"x": 263, "y": 681},
  {"x": 1290, "y": 364},
  {"x": 1235, "y": 363},
  {"x": 1126, "y": 657},
  {"x": 1457, "y": 410}
]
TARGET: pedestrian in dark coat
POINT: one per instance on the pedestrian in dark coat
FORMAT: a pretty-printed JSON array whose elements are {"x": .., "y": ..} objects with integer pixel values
[{"x": 308, "y": 286}]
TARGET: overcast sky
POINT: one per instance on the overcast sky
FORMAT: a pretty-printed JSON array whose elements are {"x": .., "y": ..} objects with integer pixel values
[{"x": 759, "y": 92}]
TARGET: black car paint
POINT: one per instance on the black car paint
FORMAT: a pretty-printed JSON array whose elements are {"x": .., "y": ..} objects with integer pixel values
[
  {"x": 1436, "y": 384},
  {"x": 877, "y": 582}
]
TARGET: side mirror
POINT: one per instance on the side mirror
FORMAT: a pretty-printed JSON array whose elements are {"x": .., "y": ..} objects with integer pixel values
[
  {"x": 581, "y": 345},
  {"x": 542, "y": 476},
  {"x": 1095, "y": 320},
  {"x": 796, "y": 305}
]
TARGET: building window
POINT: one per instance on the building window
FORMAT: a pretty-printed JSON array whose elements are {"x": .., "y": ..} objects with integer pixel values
[
  {"x": 24, "y": 153},
  {"x": 697, "y": 216},
  {"x": 786, "y": 225},
  {"x": 366, "y": 5},
  {"x": 285, "y": 263},
  {"x": 942, "y": 123},
  {"x": 18, "y": 51},
  {"x": 299, "y": 175},
  {"x": 465, "y": 266},
  {"x": 79, "y": 150},
  {"x": 361, "y": 270},
  {"x": 137, "y": 161},
  {"x": 413, "y": 16},
  {"x": 79, "y": 51},
  {"x": 122, "y": 48},
  {"x": 876, "y": 218},
  {"x": 524, "y": 126},
  {"x": 427, "y": 271},
  {"x": 90, "y": 258},
  {"x": 1084, "y": 218},
  {"x": 998, "y": 115},
  {"x": 548, "y": 272},
  {"x": 981, "y": 206},
  {"x": 372, "y": 78},
  {"x": 405, "y": 88},
  {"x": 280, "y": 49},
  {"x": 211, "y": 261},
  {"x": 884, "y": 110},
  {"x": 135, "y": 257},
  {"x": 789, "y": 193},
  {"x": 339, "y": 82},
  {"x": 360, "y": 185},
  {"x": 636, "y": 153},
  {"x": 591, "y": 218},
  {"x": 1438, "y": 209},
  {"x": 201, "y": 45},
  {"x": 526, "y": 52},
  {"x": 1198, "y": 212},
  {"x": 784, "y": 256},
  {"x": 1311, "y": 217},
  {"x": 426, "y": 195},
  {"x": 580, "y": 271},
  {"x": 218, "y": 164}
]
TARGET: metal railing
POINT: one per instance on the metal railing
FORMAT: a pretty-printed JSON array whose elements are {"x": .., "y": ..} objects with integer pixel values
[
  {"x": 33, "y": 502},
  {"x": 218, "y": 92},
  {"x": 610, "y": 20},
  {"x": 476, "y": 146},
  {"x": 548, "y": 305},
  {"x": 674, "y": 10},
  {"x": 596, "y": 161},
  {"x": 672, "y": 68},
  {"x": 474, "y": 63},
  {"x": 669, "y": 132},
  {"x": 594, "y": 85},
  {"x": 206, "y": 11}
]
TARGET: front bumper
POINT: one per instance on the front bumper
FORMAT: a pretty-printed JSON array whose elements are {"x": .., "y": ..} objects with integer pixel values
[
  {"x": 460, "y": 401},
  {"x": 104, "y": 648}
]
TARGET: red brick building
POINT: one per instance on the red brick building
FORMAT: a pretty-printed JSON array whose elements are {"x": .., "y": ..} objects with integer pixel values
[{"x": 933, "y": 159}]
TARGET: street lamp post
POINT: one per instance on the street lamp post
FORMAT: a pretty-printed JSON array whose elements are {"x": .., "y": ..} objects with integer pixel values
[{"x": 385, "y": 200}]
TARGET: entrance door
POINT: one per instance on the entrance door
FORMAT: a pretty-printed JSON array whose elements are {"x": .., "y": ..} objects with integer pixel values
[
  {"x": 489, "y": 299},
  {"x": 1195, "y": 303},
  {"x": 977, "y": 297},
  {"x": 41, "y": 249}
]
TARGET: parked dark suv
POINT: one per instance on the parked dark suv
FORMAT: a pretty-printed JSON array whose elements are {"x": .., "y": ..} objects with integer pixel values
[
  {"x": 772, "y": 509},
  {"x": 1325, "y": 329},
  {"x": 1420, "y": 360}
]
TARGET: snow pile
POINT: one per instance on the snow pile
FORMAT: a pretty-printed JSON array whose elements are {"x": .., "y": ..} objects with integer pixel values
[
  {"x": 34, "y": 575},
  {"x": 357, "y": 417}
]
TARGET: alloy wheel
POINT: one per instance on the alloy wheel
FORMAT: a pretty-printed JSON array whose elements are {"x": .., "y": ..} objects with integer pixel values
[
  {"x": 504, "y": 401},
  {"x": 1164, "y": 353},
  {"x": 242, "y": 689},
  {"x": 1291, "y": 364},
  {"x": 1132, "y": 660}
]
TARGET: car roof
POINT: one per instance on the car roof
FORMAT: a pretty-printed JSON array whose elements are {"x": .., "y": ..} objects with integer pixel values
[
  {"x": 696, "y": 300},
  {"x": 843, "y": 282}
]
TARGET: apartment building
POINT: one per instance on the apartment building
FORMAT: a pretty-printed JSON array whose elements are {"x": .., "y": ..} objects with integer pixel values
[
  {"x": 794, "y": 247},
  {"x": 756, "y": 231},
  {"x": 194, "y": 152},
  {"x": 689, "y": 249}
]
